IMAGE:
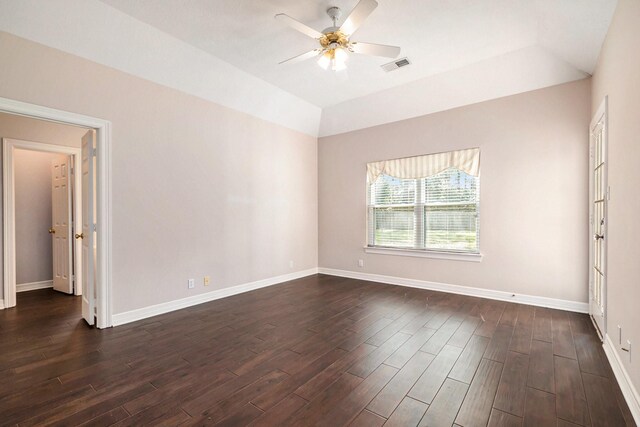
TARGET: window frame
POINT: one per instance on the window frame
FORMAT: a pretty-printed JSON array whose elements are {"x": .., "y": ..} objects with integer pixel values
[{"x": 420, "y": 219}]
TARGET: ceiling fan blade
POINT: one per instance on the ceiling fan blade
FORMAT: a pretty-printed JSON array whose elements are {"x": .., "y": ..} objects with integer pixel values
[
  {"x": 302, "y": 57},
  {"x": 375, "y": 49},
  {"x": 299, "y": 26},
  {"x": 358, "y": 15}
]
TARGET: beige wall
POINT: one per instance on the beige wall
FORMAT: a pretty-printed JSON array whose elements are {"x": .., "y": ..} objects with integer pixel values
[
  {"x": 30, "y": 248},
  {"x": 33, "y": 215},
  {"x": 617, "y": 76},
  {"x": 198, "y": 189},
  {"x": 533, "y": 202}
]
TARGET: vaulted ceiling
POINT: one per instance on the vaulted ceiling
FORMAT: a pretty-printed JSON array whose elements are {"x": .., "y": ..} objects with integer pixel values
[
  {"x": 462, "y": 51},
  {"x": 437, "y": 36}
]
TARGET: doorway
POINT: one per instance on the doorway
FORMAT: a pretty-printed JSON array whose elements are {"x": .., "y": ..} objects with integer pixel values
[
  {"x": 598, "y": 225},
  {"x": 45, "y": 200},
  {"x": 94, "y": 231},
  {"x": 67, "y": 211}
]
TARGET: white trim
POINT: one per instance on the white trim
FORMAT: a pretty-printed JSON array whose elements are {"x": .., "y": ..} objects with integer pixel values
[
  {"x": 32, "y": 286},
  {"x": 103, "y": 196},
  {"x": 629, "y": 392},
  {"x": 580, "y": 307},
  {"x": 1, "y": 304},
  {"x": 420, "y": 253},
  {"x": 155, "y": 310},
  {"x": 9, "y": 146}
]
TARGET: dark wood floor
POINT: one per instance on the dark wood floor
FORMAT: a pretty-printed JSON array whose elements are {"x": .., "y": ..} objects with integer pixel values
[{"x": 316, "y": 351}]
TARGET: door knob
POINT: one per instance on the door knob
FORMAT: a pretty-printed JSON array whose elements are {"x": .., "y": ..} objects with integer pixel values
[
  {"x": 598, "y": 236},
  {"x": 80, "y": 236},
  {"x": 52, "y": 230}
]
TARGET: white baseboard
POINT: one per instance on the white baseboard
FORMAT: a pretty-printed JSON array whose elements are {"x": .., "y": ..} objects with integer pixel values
[
  {"x": 1, "y": 304},
  {"x": 155, "y": 310},
  {"x": 628, "y": 390},
  {"x": 580, "y": 307},
  {"x": 32, "y": 286}
]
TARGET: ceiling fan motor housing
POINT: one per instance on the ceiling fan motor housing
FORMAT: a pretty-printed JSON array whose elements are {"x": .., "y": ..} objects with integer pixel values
[{"x": 334, "y": 39}]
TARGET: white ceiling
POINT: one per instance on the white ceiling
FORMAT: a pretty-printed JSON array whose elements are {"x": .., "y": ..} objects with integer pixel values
[
  {"x": 438, "y": 37},
  {"x": 100, "y": 33}
]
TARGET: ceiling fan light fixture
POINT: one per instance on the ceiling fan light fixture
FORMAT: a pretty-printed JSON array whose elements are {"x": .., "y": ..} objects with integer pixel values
[
  {"x": 325, "y": 60},
  {"x": 336, "y": 58},
  {"x": 341, "y": 55}
]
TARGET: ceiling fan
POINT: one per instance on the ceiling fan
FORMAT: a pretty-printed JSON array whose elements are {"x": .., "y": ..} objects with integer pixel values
[{"x": 335, "y": 42}]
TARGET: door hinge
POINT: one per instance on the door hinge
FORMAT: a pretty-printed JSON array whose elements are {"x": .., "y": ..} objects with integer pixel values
[{"x": 95, "y": 227}]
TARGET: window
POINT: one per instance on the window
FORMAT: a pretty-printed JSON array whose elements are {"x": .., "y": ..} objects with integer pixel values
[{"x": 437, "y": 213}]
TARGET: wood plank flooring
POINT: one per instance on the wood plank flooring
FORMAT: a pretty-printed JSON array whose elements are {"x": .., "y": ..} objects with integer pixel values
[{"x": 321, "y": 350}]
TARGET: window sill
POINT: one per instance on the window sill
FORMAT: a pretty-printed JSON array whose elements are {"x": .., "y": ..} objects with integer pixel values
[{"x": 453, "y": 256}]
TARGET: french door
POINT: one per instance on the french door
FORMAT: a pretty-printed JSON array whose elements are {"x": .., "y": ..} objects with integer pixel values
[
  {"x": 598, "y": 197},
  {"x": 88, "y": 234}
]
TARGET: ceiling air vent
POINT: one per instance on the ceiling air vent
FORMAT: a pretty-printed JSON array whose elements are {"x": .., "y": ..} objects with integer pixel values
[{"x": 394, "y": 65}]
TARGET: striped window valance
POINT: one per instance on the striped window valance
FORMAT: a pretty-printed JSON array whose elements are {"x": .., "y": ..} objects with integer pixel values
[{"x": 424, "y": 166}]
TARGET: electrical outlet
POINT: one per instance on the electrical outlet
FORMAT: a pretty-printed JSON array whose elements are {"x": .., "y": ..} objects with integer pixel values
[
  {"x": 360, "y": 263},
  {"x": 291, "y": 264},
  {"x": 207, "y": 280},
  {"x": 191, "y": 283}
]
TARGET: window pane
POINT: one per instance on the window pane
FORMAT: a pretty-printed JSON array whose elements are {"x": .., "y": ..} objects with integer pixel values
[
  {"x": 443, "y": 216},
  {"x": 394, "y": 226},
  {"x": 451, "y": 186},
  {"x": 393, "y": 191},
  {"x": 451, "y": 212},
  {"x": 451, "y": 227}
]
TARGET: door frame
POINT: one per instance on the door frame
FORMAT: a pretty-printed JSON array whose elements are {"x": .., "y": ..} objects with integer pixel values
[
  {"x": 601, "y": 115},
  {"x": 103, "y": 184},
  {"x": 9, "y": 145}
]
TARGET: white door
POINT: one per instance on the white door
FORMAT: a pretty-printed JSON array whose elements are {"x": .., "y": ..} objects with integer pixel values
[
  {"x": 61, "y": 225},
  {"x": 598, "y": 197},
  {"x": 87, "y": 233}
]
